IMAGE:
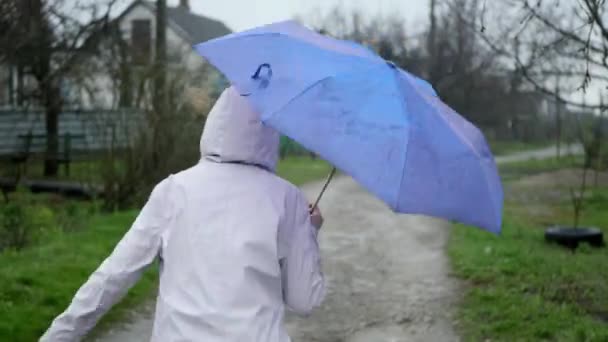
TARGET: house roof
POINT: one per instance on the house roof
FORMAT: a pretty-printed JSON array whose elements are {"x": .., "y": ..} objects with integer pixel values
[
  {"x": 193, "y": 27},
  {"x": 199, "y": 28}
]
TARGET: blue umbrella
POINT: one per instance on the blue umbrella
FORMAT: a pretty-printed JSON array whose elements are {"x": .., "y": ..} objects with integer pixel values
[{"x": 381, "y": 125}]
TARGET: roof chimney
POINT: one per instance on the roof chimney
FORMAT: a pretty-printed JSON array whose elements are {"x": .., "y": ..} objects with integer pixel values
[{"x": 185, "y": 4}]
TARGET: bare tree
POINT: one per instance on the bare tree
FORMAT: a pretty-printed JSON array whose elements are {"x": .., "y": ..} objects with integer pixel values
[
  {"x": 384, "y": 34},
  {"x": 558, "y": 119},
  {"x": 599, "y": 137},
  {"x": 566, "y": 39},
  {"x": 171, "y": 113},
  {"x": 159, "y": 111},
  {"x": 432, "y": 41},
  {"x": 466, "y": 74},
  {"x": 160, "y": 72},
  {"x": 47, "y": 41}
]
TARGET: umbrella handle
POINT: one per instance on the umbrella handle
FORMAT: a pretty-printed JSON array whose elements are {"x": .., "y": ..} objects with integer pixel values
[
  {"x": 331, "y": 175},
  {"x": 256, "y": 75}
]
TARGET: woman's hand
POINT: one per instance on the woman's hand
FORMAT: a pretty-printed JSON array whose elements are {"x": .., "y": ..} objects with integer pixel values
[{"x": 315, "y": 216}]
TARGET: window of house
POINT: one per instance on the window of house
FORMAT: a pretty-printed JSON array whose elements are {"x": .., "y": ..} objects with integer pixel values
[{"x": 141, "y": 40}]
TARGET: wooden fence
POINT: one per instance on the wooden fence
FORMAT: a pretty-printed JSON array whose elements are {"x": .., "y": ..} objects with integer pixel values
[{"x": 101, "y": 129}]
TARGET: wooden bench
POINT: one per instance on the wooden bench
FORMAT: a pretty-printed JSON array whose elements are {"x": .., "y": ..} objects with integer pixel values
[{"x": 30, "y": 143}]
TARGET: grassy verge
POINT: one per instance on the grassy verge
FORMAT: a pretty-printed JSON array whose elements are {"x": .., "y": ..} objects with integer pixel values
[
  {"x": 301, "y": 170},
  {"x": 80, "y": 171},
  {"x": 507, "y": 147},
  {"x": 298, "y": 170},
  {"x": 516, "y": 170},
  {"x": 37, "y": 283},
  {"x": 523, "y": 289}
]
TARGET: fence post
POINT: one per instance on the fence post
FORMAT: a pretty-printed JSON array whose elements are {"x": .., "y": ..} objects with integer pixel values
[{"x": 66, "y": 152}]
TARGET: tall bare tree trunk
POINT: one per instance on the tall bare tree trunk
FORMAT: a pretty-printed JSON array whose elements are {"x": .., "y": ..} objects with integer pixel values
[
  {"x": 160, "y": 77},
  {"x": 126, "y": 74},
  {"x": 47, "y": 83},
  {"x": 160, "y": 82},
  {"x": 514, "y": 85},
  {"x": 558, "y": 120},
  {"x": 53, "y": 105},
  {"x": 432, "y": 42},
  {"x": 600, "y": 138}
]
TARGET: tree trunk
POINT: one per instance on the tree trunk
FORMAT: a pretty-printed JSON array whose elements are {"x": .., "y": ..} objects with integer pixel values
[
  {"x": 48, "y": 86},
  {"x": 432, "y": 43},
  {"x": 53, "y": 107},
  {"x": 160, "y": 77},
  {"x": 160, "y": 84},
  {"x": 126, "y": 77},
  {"x": 600, "y": 138},
  {"x": 577, "y": 200},
  {"x": 558, "y": 120},
  {"x": 514, "y": 86}
]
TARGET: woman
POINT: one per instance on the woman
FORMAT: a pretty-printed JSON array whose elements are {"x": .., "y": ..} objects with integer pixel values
[{"x": 236, "y": 244}]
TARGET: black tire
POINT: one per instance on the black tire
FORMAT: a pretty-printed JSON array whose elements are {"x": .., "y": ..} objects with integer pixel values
[{"x": 571, "y": 237}]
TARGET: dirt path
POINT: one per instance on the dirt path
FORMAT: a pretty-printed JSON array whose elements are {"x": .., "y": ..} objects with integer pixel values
[
  {"x": 549, "y": 152},
  {"x": 387, "y": 276}
]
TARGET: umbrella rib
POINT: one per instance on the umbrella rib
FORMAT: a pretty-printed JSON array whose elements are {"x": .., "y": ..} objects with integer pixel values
[
  {"x": 458, "y": 134},
  {"x": 495, "y": 212},
  {"x": 405, "y": 150},
  {"x": 314, "y": 84}
]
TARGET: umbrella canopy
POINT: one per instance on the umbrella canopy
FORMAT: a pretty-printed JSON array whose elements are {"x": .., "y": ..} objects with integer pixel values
[{"x": 380, "y": 124}]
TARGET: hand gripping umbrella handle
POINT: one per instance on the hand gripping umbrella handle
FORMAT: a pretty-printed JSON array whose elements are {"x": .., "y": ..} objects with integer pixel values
[{"x": 331, "y": 175}]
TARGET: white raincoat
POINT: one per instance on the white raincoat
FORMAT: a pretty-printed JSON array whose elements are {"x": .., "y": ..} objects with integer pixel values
[{"x": 235, "y": 244}]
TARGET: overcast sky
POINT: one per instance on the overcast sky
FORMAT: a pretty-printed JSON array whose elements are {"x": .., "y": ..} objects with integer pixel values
[{"x": 243, "y": 14}]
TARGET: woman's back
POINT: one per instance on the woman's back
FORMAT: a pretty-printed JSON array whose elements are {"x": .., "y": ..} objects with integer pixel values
[{"x": 222, "y": 252}]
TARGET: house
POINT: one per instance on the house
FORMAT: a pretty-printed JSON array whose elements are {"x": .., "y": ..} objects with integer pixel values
[
  {"x": 102, "y": 100},
  {"x": 187, "y": 70},
  {"x": 119, "y": 79}
]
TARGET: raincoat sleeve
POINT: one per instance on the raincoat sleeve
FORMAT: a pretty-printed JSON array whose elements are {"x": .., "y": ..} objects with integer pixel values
[
  {"x": 302, "y": 278},
  {"x": 109, "y": 283}
]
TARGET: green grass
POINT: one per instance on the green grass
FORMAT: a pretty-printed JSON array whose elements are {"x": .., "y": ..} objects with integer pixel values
[
  {"x": 523, "y": 289},
  {"x": 301, "y": 170},
  {"x": 514, "y": 170},
  {"x": 500, "y": 148},
  {"x": 37, "y": 283},
  {"x": 298, "y": 170},
  {"x": 80, "y": 171}
]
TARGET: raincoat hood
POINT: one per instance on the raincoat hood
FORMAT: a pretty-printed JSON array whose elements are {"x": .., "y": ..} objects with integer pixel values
[{"x": 234, "y": 134}]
